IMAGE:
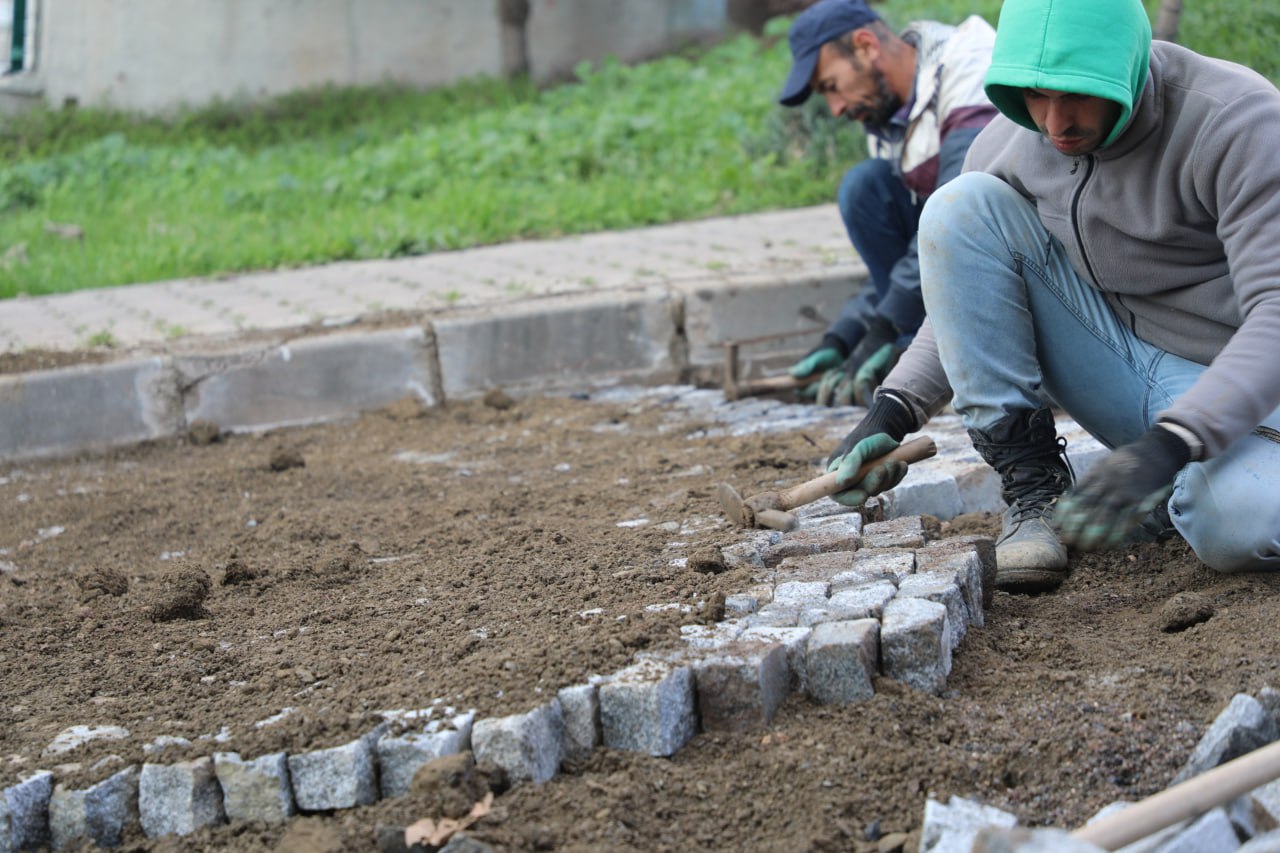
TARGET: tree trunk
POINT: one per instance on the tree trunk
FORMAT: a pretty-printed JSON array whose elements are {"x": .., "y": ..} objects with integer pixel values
[
  {"x": 1167, "y": 20},
  {"x": 749, "y": 15},
  {"x": 514, "y": 17}
]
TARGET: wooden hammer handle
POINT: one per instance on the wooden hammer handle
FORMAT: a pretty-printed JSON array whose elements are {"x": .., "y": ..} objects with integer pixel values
[
  {"x": 768, "y": 385},
  {"x": 913, "y": 451}
]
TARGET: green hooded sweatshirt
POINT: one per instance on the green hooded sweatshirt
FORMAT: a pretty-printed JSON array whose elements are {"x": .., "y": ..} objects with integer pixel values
[
  {"x": 1175, "y": 219},
  {"x": 1086, "y": 47}
]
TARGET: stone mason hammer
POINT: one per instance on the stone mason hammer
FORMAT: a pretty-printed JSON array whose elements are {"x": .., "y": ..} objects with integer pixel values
[{"x": 772, "y": 509}]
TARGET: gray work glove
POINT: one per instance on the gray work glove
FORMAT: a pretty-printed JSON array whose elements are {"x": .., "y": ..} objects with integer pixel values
[
  {"x": 1104, "y": 508},
  {"x": 857, "y": 378}
]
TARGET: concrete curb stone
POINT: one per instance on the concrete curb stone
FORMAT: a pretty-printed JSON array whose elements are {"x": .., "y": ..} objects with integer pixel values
[
  {"x": 90, "y": 407},
  {"x": 310, "y": 380}
]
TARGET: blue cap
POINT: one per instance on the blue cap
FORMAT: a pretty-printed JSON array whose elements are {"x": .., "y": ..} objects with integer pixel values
[{"x": 812, "y": 28}]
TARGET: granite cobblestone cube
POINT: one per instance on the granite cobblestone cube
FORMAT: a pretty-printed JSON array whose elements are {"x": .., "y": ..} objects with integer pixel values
[
  {"x": 904, "y": 532},
  {"x": 580, "y": 705},
  {"x": 825, "y": 538},
  {"x": 648, "y": 707},
  {"x": 816, "y": 567},
  {"x": 178, "y": 799},
  {"x": 24, "y": 813},
  {"x": 772, "y": 615},
  {"x": 529, "y": 746},
  {"x": 256, "y": 790},
  {"x": 339, "y": 777},
  {"x": 965, "y": 568},
  {"x": 801, "y": 594},
  {"x": 740, "y": 688},
  {"x": 893, "y": 563},
  {"x": 983, "y": 546},
  {"x": 841, "y": 660},
  {"x": 942, "y": 588},
  {"x": 915, "y": 645},
  {"x": 400, "y": 756},
  {"x": 99, "y": 813},
  {"x": 1243, "y": 726},
  {"x": 794, "y": 640},
  {"x": 866, "y": 601}
]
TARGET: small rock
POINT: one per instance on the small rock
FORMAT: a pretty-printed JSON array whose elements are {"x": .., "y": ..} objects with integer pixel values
[
  {"x": 1184, "y": 610},
  {"x": 708, "y": 560},
  {"x": 238, "y": 573},
  {"x": 184, "y": 597},
  {"x": 202, "y": 433},
  {"x": 496, "y": 398},
  {"x": 713, "y": 610},
  {"x": 101, "y": 580},
  {"x": 284, "y": 458},
  {"x": 450, "y": 785}
]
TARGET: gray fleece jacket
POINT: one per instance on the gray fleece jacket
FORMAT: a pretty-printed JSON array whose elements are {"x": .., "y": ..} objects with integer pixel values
[{"x": 1176, "y": 220}]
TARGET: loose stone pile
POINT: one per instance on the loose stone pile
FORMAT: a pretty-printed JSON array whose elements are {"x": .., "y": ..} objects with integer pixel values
[{"x": 1248, "y": 824}]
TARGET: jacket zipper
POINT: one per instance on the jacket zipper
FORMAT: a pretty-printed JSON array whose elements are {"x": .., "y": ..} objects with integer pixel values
[
  {"x": 1075, "y": 226},
  {"x": 1075, "y": 213}
]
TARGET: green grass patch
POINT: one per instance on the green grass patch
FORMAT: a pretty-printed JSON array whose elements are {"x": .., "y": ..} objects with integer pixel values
[{"x": 340, "y": 174}]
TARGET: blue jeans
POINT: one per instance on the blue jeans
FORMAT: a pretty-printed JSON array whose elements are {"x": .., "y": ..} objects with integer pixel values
[
  {"x": 1014, "y": 323},
  {"x": 881, "y": 217}
]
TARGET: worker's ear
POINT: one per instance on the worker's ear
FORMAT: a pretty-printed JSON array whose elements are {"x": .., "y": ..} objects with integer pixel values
[{"x": 866, "y": 45}]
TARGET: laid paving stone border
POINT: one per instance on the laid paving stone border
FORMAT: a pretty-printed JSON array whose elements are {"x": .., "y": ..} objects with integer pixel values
[
  {"x": 794, "y": 631},
  {"x": 842, "y": 601}
]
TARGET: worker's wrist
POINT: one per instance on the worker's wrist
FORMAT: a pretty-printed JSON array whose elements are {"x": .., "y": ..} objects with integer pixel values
[
  {"x": 1189, "y": 442},
  {"x": 891, "y": 415},
  {"x": 831, "y": 340}
]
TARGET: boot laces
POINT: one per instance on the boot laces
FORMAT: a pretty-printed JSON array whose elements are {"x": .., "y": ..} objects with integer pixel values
[{"x": 1034, "y": 482}]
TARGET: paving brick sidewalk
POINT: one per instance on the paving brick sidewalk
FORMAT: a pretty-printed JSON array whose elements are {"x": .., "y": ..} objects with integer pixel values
[{"x": 713, "y": 253}]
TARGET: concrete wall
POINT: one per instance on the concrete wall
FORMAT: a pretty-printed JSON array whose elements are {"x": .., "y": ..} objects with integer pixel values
[{"x": 156, "y": 55}]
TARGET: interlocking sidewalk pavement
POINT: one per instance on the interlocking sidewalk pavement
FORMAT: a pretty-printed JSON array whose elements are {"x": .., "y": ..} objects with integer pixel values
[{"x": 711, "y": 254}]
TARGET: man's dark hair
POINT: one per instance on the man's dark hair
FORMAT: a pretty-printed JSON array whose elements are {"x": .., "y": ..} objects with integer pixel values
[{"x": 844, "y": 44}]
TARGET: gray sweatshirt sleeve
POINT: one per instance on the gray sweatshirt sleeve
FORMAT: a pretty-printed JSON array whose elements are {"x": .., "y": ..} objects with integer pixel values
[{"x": 919, "y": 379}]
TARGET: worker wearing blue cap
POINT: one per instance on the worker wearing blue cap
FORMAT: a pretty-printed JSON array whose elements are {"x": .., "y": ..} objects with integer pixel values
[{"x": 919, "y": 95}]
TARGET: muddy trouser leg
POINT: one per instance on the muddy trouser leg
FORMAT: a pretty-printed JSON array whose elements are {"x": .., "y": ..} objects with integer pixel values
[{"x": 1012, "y": 318}]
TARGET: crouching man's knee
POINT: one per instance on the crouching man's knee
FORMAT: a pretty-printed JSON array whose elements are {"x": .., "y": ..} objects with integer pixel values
[{"x": 1232, "y": 528}]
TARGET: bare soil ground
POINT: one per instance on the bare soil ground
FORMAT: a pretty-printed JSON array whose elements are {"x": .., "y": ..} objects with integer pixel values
[{"x": 473, "y": 555}]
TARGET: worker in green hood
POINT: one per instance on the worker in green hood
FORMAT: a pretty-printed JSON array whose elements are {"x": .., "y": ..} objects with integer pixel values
[{"x": 1112, "y": 248}]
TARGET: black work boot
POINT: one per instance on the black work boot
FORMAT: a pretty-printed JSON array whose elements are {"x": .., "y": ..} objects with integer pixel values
[
  {"x": 1156, "y": 526},
  {"x": 1026, "y": 452}
]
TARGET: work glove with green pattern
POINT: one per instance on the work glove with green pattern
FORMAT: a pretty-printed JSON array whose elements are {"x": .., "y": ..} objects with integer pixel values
[
  {"x": 1105, "y": 507},
  {"x": 880, "y": 432}
]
